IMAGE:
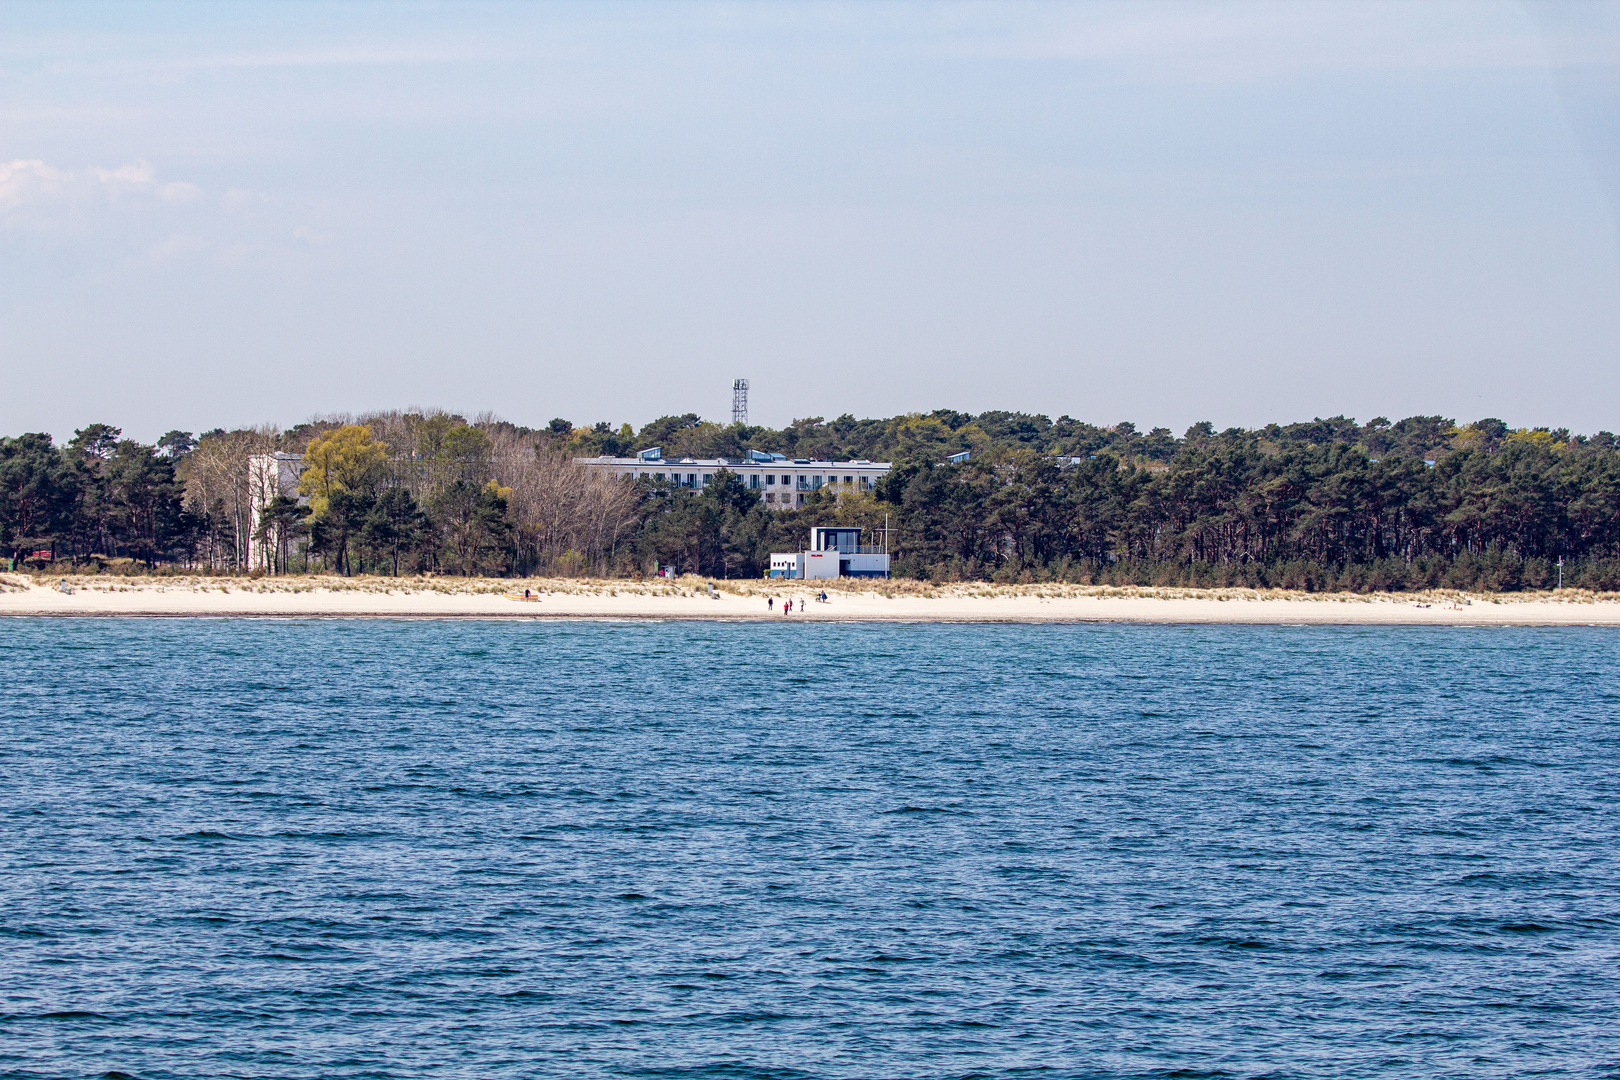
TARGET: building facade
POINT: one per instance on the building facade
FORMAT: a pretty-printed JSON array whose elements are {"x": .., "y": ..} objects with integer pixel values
[
  {"x": 269, "y": 475},
  {"x": 783, "y": 484}
]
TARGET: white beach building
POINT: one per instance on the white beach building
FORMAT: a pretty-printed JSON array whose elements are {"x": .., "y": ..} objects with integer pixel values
[
  {"x": 834, "y": 552},
  {"x": 270, "y": 475},
  {"x": 783, "y": 484}
]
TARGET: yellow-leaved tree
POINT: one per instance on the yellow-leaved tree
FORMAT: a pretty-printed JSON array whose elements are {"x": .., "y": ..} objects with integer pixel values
[
  {"x": 345, "y": 460},
  {"x": 1540, "y": 438}
]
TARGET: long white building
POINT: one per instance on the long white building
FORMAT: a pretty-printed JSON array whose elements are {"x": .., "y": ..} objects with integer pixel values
[{"x": 783, "y": 483}]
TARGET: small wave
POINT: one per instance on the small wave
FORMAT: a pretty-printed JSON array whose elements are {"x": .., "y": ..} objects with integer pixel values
[
  {"x": 750, "y": 1017},
  {"x": 723, "y": 1070}
]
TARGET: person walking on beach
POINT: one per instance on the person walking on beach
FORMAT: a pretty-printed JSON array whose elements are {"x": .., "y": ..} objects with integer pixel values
[
  {"x": 770, "y": 604},
  {"x": 801, "y": 603}
]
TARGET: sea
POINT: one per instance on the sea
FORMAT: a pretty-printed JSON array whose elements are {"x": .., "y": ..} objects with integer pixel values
[{"x": 483, "y": 849}]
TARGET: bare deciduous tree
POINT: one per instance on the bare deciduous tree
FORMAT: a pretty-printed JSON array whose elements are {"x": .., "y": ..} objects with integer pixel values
[
  {"x": 559, "y": 507},
  {"x": 218, "y": 489}
]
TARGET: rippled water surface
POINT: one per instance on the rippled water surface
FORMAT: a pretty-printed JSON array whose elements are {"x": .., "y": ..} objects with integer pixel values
[{"x": 500, "y": 849}]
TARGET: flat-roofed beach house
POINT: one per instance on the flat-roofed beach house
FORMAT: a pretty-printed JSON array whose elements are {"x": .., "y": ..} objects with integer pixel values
[{"x": 834, "y": 552}]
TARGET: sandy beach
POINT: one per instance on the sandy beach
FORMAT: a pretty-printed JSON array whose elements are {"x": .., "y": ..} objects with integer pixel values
[{"x": 689, "y": 598}]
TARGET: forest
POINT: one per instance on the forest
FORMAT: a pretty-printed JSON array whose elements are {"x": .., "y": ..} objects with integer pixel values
[{"x": 1322, "y": 505}]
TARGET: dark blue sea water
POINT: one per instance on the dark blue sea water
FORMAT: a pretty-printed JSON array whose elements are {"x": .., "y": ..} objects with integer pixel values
[{"x": 509, "y": 849}]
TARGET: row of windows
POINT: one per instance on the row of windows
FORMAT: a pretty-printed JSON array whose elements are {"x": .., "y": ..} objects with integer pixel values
[
  {"x": 805, "y": 482},
  {"x": 688, "y": 480}
]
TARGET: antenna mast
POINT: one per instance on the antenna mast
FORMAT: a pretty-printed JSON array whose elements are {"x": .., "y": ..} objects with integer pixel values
[{"x": 739, "y": 402}]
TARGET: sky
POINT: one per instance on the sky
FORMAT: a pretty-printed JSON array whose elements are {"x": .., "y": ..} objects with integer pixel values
[{"x": 228, "y": 214}]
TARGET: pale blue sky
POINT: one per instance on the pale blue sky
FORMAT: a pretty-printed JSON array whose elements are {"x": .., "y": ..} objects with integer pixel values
[{"x": 223, "y": 214}]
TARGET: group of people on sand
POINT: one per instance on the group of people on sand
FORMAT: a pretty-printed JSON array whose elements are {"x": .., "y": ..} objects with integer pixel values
[{"x": 787, "y": 603}]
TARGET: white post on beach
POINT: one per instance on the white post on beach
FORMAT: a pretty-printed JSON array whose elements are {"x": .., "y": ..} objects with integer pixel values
[{"x": 1560, "y": 571}]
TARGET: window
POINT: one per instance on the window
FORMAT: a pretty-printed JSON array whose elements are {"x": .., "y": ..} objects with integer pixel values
[
  {"x": 753, "y": 482},
  {"x": 769, "y": 479},
  {"x": 691, "y": 479},
  {"x": 658, "y": 476},
  {"x": 849, "y": 479},
  {"x": 707, "y": 477}
]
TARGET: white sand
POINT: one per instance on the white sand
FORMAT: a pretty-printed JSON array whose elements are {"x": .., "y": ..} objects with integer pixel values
[{"x": 864, "y": 601}]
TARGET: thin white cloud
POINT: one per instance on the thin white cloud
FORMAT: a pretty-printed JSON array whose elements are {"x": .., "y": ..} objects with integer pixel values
[
  {"x": 357, "y": 56},
  {"x": 176, "y": 247},
  {"x": 336, "y": 56},
  {"x": 131, "y": 212},
  {"x": 1268, "y": 40},
  {"x": 36, "y": 194}
]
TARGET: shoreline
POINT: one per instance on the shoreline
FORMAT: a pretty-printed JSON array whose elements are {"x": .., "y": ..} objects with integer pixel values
[{"x": 317, "y": 596}]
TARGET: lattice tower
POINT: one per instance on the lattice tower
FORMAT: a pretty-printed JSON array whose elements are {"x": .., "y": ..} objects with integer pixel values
[{"x": 739, "y": 401}]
